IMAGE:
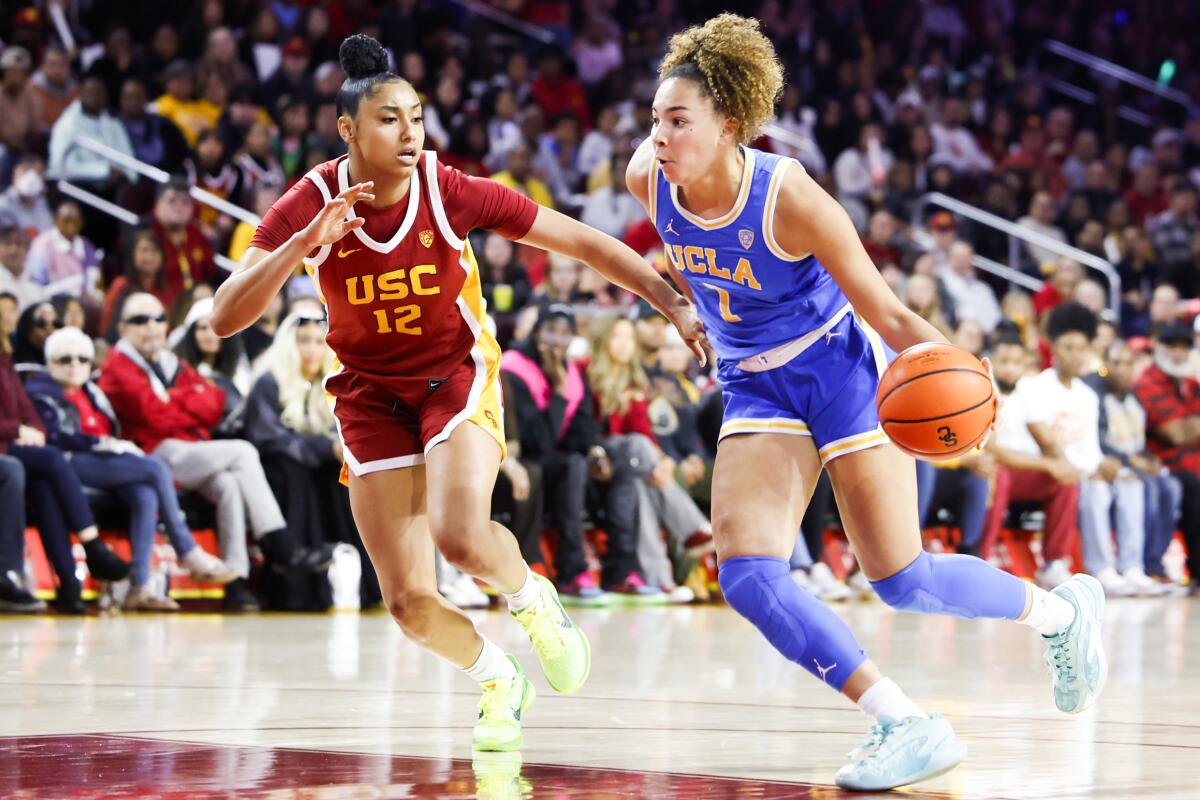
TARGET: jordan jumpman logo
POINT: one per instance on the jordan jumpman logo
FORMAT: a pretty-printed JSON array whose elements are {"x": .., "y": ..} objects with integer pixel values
[
  {"x": 669, "y": 229},
  {"x": 824, "y": 670}
]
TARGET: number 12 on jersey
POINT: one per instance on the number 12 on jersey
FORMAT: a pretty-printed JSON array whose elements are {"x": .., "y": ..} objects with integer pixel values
[
  {"x": 403, "y": 316},
  {"x": 723, "y": 301}
]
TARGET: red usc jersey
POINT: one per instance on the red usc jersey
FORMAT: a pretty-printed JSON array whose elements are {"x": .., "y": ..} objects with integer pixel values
[{"x": 403, "y": 290}]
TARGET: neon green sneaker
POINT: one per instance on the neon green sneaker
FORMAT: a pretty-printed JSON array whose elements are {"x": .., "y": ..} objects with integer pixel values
[
  {"x": 498, "y": 776},
  {"x": 498, "y": 727},
  {"x": 561, "y": 647}
]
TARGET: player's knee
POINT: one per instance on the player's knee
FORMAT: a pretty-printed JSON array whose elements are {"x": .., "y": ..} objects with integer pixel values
[
  {"x": 456, "y": 544},
  {"x": 744, "y": 580},
  {"x": 415, "y": 612},
  {"x": 903, "y": 591}
]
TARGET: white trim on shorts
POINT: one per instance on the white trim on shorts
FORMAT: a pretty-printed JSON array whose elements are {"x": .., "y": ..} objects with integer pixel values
[
  {"x": 793, "y": 427},
  {"x": 852, "y": 444},
  {"x": 360, "y": 468}
]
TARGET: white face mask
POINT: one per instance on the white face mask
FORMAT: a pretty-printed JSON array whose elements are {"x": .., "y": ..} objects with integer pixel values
[
  {"x": 1162, "y": 357},
  {"x": 29, "y": 183}
]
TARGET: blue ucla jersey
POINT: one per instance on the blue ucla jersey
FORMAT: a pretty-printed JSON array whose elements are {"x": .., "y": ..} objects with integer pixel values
[
  {"x": 750, "y": 294},
  {"x": 754, "y": 298}
]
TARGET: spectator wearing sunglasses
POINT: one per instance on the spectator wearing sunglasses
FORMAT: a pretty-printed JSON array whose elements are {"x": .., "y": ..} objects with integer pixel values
[
  {"x": 35, "y": 324},
  {"x": 80, "y": 421},
  {"x": 167, "y": 409},
  {"x": 53, "y": 493}
]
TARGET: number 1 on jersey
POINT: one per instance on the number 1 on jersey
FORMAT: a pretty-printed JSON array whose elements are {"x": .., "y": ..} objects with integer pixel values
[{"x": 723, "y": 300}]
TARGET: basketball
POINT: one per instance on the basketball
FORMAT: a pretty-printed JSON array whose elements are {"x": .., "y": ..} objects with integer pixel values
[{"x": 935, "y": 401}]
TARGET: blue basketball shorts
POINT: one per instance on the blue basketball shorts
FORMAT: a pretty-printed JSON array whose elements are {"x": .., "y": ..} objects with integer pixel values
[{"x": 821, "y": 385}]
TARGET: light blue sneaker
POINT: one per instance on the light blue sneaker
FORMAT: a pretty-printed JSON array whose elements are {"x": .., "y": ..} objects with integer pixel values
[
  {"x": 899, "y": 753},
  {"x": 1076, "y": 656}
]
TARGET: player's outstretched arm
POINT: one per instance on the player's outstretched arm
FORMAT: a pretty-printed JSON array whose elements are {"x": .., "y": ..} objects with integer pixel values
[
  {"x": 244, "y": 296},
  {"x": 621, "y": 265},
  {"x": 807, "y": 219}
]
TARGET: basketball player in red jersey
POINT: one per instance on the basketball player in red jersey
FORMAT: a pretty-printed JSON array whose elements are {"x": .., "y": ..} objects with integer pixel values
[{"x": 417, "y": 397}]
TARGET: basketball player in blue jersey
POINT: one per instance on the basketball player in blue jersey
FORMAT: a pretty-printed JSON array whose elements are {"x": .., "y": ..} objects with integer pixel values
[{"x": 803, "y": 326}]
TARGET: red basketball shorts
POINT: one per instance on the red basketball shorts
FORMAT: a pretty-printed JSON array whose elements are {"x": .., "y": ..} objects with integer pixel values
[{"x": 393, "y": 422}]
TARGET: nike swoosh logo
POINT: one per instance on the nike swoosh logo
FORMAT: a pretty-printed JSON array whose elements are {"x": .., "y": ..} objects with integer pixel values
[{"x": 344, "y": 253}]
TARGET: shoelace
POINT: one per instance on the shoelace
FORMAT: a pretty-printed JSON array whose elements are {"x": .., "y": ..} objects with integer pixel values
[
  {"x": 1060, "y": 661},
  {"x": 493, "y": 705},
  {"x": 545, "y": 631},
  {"x": 875, "y": 738}
]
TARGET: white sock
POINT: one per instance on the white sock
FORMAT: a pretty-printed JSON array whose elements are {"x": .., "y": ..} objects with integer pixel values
[
  {"x": 1048, "y": 614},
  {"x": 491, "y": 664},
  {"x": 527, "y": 595},
  {"x": 886, "y": 699}
]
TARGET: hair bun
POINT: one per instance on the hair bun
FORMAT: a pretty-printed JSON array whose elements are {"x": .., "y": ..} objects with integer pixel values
[{"x": 361, "y": 57}]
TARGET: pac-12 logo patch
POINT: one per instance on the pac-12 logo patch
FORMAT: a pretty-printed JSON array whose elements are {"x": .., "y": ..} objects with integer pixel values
[
  {"x": 746, "y": 237},
  {"x": 426, "y": 237},
  {"x": 492, "y": 419}
]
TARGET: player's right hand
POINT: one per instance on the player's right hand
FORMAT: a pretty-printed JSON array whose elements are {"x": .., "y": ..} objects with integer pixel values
[{"x": 335, "y": 220}]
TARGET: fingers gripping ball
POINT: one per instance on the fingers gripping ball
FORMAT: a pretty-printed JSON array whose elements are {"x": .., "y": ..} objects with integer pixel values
[{"x": 936, "y": 401}]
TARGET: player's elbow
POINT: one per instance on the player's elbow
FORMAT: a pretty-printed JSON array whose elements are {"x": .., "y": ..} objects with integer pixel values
[
  {"x": 221, "y": 322},
  {"x": 220, "y": 325}
]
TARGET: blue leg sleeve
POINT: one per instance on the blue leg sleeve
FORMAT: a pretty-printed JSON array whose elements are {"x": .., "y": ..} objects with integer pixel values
[
  {"x": 957, "y": 585},
  {"x": 799, "y": 626}
]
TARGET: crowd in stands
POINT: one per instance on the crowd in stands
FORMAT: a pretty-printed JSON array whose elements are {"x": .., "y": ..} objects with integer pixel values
[{"x": 113, "y": 385}]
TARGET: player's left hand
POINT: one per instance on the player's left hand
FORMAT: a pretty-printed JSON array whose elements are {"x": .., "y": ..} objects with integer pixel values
[{"x": 683, "y": 316}]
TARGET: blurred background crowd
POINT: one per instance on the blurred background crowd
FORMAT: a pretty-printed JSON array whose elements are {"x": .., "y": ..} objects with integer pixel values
[{"x": 121, "y": 409}]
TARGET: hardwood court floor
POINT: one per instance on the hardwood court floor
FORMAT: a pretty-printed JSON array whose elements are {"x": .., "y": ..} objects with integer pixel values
[{"x": 682, "y": 702}]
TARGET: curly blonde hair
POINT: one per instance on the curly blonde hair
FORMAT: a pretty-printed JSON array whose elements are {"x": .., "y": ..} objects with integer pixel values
[{"x": 735, "y": 64}]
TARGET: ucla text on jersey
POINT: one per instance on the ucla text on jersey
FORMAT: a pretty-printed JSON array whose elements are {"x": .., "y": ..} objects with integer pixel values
[{"x": 751, "y": 295}]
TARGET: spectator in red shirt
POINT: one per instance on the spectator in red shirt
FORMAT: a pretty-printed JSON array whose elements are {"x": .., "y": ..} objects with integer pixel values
[
  {"x": 79, "y": 420},
  {"x": 1060, "y": 288},
  {"x": 1031, "y": 156},
  {"x": 1171, "y": 399},
  {"x": 557, "y": 92},
  {"x": 167, "y": 409},
  {"x": 881, "y": 240},
  {"x": 143, "y": 273},
  {"x": 1145, "y": 198},
  {"x": 188, "y": 255}
]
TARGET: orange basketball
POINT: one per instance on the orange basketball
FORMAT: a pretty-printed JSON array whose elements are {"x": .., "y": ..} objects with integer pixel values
[{"x": 935, "y": 401}]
